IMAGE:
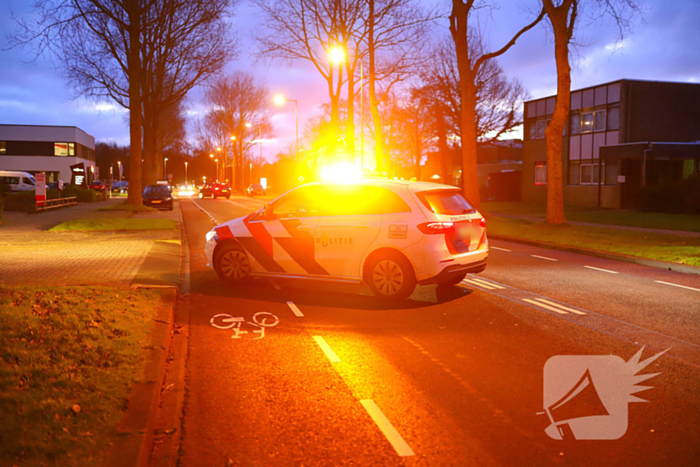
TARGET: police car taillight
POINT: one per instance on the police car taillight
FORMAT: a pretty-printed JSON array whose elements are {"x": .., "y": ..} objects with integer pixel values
[
  {"x": 432, "y": 228},
  {"x": 483, "y": 222}
]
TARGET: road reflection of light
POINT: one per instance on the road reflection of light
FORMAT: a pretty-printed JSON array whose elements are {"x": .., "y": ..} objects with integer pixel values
[{"x": 185, "y": 193}]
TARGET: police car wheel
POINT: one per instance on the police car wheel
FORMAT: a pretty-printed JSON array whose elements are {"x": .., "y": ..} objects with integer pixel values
[
  {"x": 232, "y": 264},
  {"x": 201, "y": 195},
  {"x": 391, "y": 277},
  {"x": 454, "y": 280}
]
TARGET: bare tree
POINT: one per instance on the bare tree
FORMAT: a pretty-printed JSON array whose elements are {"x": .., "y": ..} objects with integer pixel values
[
  {"x": 121, "y": 49},
  {"x": 187, "y": 43},
  {"x": 468, "y": 64},
  {"x": 564, "y": 18},
  {"x": 305, "y": 30},
  {"x": 99, "y": 43},
  {"x": 415, "y": 137},
  {"x": 239, "y": 107}
]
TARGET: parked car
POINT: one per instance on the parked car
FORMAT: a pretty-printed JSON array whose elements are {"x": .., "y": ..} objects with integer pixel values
[
  {"x": 255, "y": 189},
  {"x": 388, "y": 234},
  {"x": 158, "y": 196},
  {"x": 215, "y": 190},
  {"x": 17, "y": 181},
  {"x": 97, "y": 185},
  {"x": 122, "y": 187},
  {"x": 55, "y": 185}
]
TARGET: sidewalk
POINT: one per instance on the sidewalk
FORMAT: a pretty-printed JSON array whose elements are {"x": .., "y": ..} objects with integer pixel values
[{"x": 33, "y": 255}]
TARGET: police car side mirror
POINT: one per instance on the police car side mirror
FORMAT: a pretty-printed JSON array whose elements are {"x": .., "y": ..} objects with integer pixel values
[{"x": 268, "y": 213}]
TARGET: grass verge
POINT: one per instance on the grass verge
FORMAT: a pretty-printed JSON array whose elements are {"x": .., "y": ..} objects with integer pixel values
[
  {"x": 128, "y": 207},
  {"x": 649, "y": 220},
  {"x": 68, "y": 356},
  {"x": 684, "y": 250},
  {"x": 115, "y": 224}
]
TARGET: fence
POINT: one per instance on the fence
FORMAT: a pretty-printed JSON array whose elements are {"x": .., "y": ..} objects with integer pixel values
[{"x": 56, "y": 203}]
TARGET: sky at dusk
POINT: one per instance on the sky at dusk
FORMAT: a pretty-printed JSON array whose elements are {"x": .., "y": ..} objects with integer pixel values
[{"x": 663, "y": 46}]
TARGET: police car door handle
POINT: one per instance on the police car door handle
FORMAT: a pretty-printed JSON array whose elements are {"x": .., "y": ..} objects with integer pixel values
[{"x": 303, "y": 228}]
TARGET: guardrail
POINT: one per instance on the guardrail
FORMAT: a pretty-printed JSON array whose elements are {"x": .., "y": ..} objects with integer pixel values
[{"x": 56, "y": 203}]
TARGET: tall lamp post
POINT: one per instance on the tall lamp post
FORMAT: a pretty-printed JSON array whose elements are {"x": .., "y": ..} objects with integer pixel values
[
  {"x": 337, "y": 56},
  {"x": 120, "y": 176},
  {"x": 280, "y": 100},
  {"x": 216, "y": 178},
  {"x": 165, "y": 168},
  {"x": 185, "y": 175}
]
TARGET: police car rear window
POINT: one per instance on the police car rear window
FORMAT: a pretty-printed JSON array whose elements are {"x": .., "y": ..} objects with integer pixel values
[{"x": 449, "y": 202}]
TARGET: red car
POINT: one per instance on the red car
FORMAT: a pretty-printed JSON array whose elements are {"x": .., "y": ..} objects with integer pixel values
[
  {"x": 97, "y": 185},
  {"x": 215, "y": 190}
]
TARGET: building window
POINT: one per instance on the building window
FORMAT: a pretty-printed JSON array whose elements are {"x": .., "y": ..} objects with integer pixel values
[
  {"x": 574, "y": 173},
  {"x": 64, "y": 149},
  {"x": 614, "y": 118},
  {"x": 541, "y": 126},
  {"x": 531, "y": 129},
  {"x": 576, "y": 124},
  {"x": 540, "y": 173},
  {"x": 587, "y": 122},
  {"x": 599, "y": 124},
  {"x": 589, "y": 173},
  {"x": 3, "y": 147}
]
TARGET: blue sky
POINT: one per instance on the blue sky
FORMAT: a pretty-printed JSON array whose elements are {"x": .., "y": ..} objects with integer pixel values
[{"x": 663, "y": 46}]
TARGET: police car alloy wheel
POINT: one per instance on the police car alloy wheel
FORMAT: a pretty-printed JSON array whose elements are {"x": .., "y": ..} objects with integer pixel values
[
  {"x": 390, "y": 276},
  {"x": 232, "y": 264},
  {"x": 201, "y": 195}
]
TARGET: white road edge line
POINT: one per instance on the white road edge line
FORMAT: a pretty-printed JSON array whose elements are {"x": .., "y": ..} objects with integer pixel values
[
  {"x": 481, "y": 281},
  {"x": 498, "y": 248},
  {"x": 479, "y": 284},
  {"x": 206, "y": 212},
  {"x": 393, "y": 436},
  {"x": 326, "y": 349},
  {"x": 678, "y": 285},
  {"x": 295, "y": 309},
  {"x": 551, "y": 308},
  {"x": 603, "y": 270},
  {"x": 560, "y": 306},
  {"x": 544, "y": 257}
]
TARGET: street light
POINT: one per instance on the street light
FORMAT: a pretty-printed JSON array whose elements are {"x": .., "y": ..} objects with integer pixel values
[
  {"x": 337, "y": 55},
  {"x": 279, "y": 100},
  {"x": 185, "y": 175},
  {"x": 120, "y": 175},
  {"x": 217, "y": 167},
  {"x": 165, "y": 168}
]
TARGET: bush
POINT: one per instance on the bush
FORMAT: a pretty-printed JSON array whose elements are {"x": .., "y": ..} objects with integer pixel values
[
  {"x": 23, "y": 201},
  {"x": 84, "y": 195},
  {"x": 678, "y": 197}
]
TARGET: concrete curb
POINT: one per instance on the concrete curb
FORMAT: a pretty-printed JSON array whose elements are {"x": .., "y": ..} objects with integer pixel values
[
  {"x": 134, "y": 437},
  {"x": 602, "y": 254},
  {"x": 133, "y": 442}
]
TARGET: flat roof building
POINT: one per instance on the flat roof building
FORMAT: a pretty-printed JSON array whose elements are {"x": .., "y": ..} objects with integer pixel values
[
  {"x": 45, "y": 148},
  {"x": 620, "y": 136}
]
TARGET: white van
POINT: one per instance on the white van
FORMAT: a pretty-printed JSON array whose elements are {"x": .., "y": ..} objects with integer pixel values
[{"x": 18, "y": 181}]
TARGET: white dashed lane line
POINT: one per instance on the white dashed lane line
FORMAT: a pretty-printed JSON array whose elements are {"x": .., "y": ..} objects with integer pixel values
[
  {"x": 295, "y": 309},
  {"x": 400, "y": 446},
  {"x": 497, "y": 248},
  {"x": 678, "y": 285},
  {"x": 483, "y": 283},
  {"x": 544, "y": 257},
  {"x": 602, "y": 270},
  {"x": 556, "y": 307},
  {"x": 206, "y": 212},
  {"x": 326, "y": 349}
]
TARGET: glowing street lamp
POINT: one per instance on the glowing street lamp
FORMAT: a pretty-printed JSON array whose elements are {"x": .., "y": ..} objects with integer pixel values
[
  {"x": 280, "y": 100},
  {"x": 217, "y": 166},
  {"x": 165, "y": 168},
  {"x": 185, "y": 174},
  {"x": 337, "y": 55}
]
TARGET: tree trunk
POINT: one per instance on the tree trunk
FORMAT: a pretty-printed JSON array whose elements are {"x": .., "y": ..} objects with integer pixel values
[
  {"x": 135, "y": 117},
  {"x": 373, "y": 103},
  {"x": 553, "y": 134}
]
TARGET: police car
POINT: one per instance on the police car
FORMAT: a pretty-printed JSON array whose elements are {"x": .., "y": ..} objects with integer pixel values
[{"x": 389, "y": 234}]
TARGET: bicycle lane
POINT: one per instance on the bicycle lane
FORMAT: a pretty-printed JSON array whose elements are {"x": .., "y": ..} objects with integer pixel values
[{"x": 257, "y": 393}]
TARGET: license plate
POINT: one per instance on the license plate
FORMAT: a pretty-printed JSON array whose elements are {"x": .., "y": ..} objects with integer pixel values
[{"x": 155, "y": 202}]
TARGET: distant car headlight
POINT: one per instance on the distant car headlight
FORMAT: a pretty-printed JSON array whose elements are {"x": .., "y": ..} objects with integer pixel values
[{"x": 211, "y": 234}]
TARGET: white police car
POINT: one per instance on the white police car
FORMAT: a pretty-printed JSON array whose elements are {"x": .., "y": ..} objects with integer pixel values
[{"x": 389, "y": 234}]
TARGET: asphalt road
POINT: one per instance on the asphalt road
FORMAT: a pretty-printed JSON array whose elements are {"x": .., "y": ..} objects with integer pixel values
[{"x": 452, "y": 376}]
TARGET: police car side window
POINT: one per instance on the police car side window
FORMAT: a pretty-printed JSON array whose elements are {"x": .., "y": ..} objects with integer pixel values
[
  {"x": 355, "y": 200},
  {"x": 302, "y": 202}
]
